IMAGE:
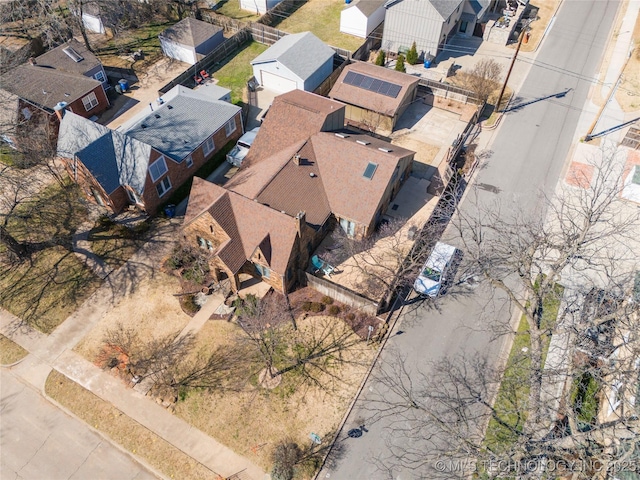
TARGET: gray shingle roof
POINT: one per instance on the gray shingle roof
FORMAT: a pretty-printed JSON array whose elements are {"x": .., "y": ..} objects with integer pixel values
[
  {"x": 45, "y": 87},
  {"x": 367, "y": 7},
  {"x": 302, "y": 53},
  {"x": 56, "y": 58},
  {"x": 112, "y": 158},
  {"x": 190, "y": 32},
  {"x": 185, "y": 120},
  {"x": 444, "y": 7}
]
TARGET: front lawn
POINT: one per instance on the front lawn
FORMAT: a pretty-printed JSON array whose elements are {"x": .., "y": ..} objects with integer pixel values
[
  {"x": 237, "y": 71},
  {"x": 10, "y": 352},
  {"x": 322, "y": 17},
  {"x": 46, "y": 288},
  {"x": 116, "y": 243}
]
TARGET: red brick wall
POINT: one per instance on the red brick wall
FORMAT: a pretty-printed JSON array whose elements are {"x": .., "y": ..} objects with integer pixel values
[{"x": 77, "y": 106}]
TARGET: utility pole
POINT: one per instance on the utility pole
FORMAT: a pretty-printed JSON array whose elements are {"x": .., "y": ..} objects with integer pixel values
[{"x": 513, "y": 61}]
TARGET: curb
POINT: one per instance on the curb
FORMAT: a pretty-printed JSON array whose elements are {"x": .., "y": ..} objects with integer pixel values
[{"x": 391, "y": 324}]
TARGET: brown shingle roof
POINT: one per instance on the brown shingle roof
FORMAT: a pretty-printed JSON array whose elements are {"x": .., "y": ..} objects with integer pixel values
[
  {"x": 371, "y": 100},
  {"x": 338, "y": 185},
  {"x": 249, "y": 225},
  {"x": 45, "y": 87},
  {"x": 292, "y": 119},
  {"x": 190, "y": 32},
  {"x": 56, "y": 58}
]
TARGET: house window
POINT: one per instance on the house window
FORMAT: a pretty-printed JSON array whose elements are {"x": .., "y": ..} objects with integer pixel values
[
  {"x": 189, "y": 161},
  {"x": 209, "y": 245},
  {"x": 204, "y": 243},
  {"x": 348, "y": 226},
  {"x": 90, "y": 101},
  {"x": 263, "y": 271},
  {"x": 164, "y": 186},
  {"x": 230, "y": 126},
  {"x": 211, "y": 228},
  {"x": 158, "y": 169},
  {"x": 208, "y": 146},
  {"x": 99, "y": 76}
]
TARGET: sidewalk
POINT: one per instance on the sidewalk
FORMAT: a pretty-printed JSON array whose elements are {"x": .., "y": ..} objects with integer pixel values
[{"x": 55, "y": 351}]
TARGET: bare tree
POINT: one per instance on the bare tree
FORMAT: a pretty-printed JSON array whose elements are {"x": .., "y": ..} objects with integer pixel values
[
  {"x": 583, "y": 238},
  {"x": 484, "y": 78}
]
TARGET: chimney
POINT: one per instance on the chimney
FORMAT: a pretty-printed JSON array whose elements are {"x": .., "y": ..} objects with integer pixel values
[
  {"x": 32, "y": 61},
  {"x": 300, "y": 220},
  {"x": 296, "y": 159},
  {"x": 60, "y": 108}
]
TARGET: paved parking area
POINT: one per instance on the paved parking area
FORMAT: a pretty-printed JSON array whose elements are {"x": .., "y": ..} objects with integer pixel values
[{"x": 39, "y": 441}]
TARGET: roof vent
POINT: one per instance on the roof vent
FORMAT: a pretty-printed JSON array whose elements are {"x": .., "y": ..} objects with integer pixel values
[
  {"x": 296, "y": 159},
  {"x": 157, "y": 116},
  {"x": 72, "y": 54},
  {"x": 363, "y": 142},
  {"x": 312, "y": 175},
  {"x": 143, "y": 125},
  {"x": 170, "y": 107},
  {"x": 342, "y": 135},
  {"x": 387, "y": 150}
]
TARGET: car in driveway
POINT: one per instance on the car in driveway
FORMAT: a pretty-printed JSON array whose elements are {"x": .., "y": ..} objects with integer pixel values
[
  {"x": 237, "y": 153},
  {"x": 434, "y": 271}
]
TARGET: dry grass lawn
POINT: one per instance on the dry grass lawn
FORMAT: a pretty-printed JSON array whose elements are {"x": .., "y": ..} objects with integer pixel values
[
  {"x": 126, "y": 432},
  {"x": 547, "y": 9},
  {"x": 251, "y": 422},
  {"x": 231, "y": 9},
  {"x": 151, "y": 310},
  {"x": 10, "y": 352},
  {"x": 322, "y": 17}
]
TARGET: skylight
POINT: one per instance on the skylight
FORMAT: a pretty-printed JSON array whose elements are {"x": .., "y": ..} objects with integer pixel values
[
  {"x": 370, "y": 170},
  {"x": 72, "y": 54}
]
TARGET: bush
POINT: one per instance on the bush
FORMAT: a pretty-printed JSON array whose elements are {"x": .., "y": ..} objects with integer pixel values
[
  {"x": 306, "y": 306},
  {"x": 189, "y": 304},
  {"x": 412, "y": 55},
  {"x": 351, "y": 316},
  {"x": 317, "y": 307},
  {"x": 400, "y": 64},
  {"x": 334, "y": 309},
  {"x": 327, "y": 300},
  {"x": 381, "y": 59},
  {"x": 285, "y": 455}
]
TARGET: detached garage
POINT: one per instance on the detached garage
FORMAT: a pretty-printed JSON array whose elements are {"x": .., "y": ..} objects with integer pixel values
[
  {"x": 362, "y": 17},
  {"x": 301, "y": 61},
  {"x": 190, "y": 40}
]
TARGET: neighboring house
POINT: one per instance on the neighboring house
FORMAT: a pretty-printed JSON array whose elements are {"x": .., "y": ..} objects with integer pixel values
[
  {"x": 375, "y": 96},
  {"x": 258, "y": 6},
  {"x": 146, "y": 160},
  {"x": 36, "y": 93},
  {"x": 74, "y": 57},
  {"x": 362, "y": 17},
  {"x": 190, "y": 40},
  {"x": 473, "y": 15},
  {"x": 429, "y": 23},
  {"x": 300, "y": 61},
  {"x": 303, "y": 173},
  {"x": 92, "y": 18}
]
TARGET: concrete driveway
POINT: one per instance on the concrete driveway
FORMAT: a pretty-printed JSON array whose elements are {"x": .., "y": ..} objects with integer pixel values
[{"x": 40, "y": 441}]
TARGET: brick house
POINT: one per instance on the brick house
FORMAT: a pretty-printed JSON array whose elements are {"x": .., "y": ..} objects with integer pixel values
[
  {"x": 306, "y": 171},
  {"x": 156, "y": 152},
  {"x": 36, "y": 92}
]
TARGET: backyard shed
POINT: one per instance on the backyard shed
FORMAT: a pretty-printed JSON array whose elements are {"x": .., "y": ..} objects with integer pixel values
[
  {"x": 258, "y": 6},
  {"x": 300, "y": 61},
  {"x": 190, "y": 40},
  {"x": 362, "y": 17}
]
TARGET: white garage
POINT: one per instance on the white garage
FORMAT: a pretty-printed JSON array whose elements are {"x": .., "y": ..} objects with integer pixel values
[
  {"x": 190, "y": 40},
  {"x": 362, "y": 17},
  {"x": 301, "y": 61},
  {"x": 277, "y": 83}
]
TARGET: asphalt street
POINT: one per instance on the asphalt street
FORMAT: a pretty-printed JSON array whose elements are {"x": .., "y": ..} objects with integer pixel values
[
  {"x": 529, "y": 152},
  {"x": 40, "y": 441}
]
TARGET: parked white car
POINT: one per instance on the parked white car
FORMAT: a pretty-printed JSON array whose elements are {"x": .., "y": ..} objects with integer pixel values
[
  {"x": 237, "y": 153},
  {"x": 434, "y": 271}
]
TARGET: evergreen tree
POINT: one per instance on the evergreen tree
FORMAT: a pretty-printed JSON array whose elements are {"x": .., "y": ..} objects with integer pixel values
[
  {"x": 412, "y": 55},
  {"x": 400, "y": 64},
  {"x": 380, "y": 59}
]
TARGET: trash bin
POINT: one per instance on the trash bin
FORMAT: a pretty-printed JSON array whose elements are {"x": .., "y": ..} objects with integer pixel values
[
  {"x": 427, "y": 62},
  {"x": 170, "y": 210},
  {"x": 124, "y": 85}
]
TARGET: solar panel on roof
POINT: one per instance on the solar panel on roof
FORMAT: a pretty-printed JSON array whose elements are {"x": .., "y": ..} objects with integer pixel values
[
  {"x": 370, "y": 170},
  {"x": 372, "y": 84}
]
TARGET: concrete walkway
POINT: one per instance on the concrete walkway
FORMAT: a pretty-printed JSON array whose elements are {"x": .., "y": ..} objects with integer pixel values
[{"x": 55, "y": 352}]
